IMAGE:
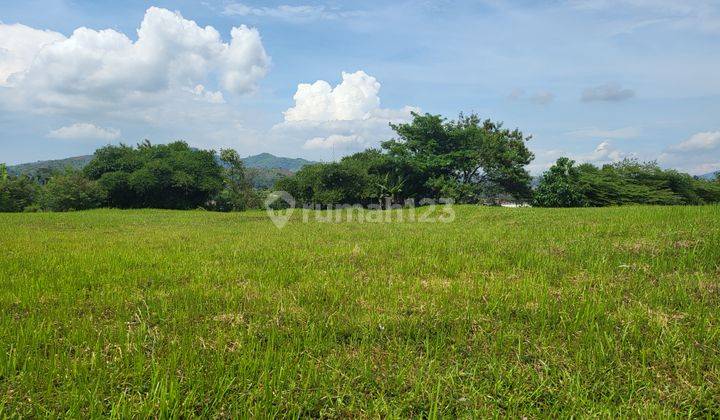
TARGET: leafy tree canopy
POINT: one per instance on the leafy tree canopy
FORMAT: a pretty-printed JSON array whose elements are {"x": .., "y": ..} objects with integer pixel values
[
  {"x": 71, "y": 191},
  {"x": 466, "y": 159},
  {"x": 172, "y": 176},
  {"x": 560, "y": 186},
  {"x": 16, "y": 193}
]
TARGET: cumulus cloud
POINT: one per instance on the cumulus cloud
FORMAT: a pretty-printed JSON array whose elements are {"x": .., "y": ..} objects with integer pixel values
[
  {"x": 594, "y": 132},
  {"x": 335, "y": 141},
  {"x": 94, "y": 68},
  {"x": 699, "y": 154},
  {"x": 348, "y": 114},
  {"x": 84, "y": 131},
  {"x": 355, "y": 98},
  {"x": 19, "y": 44},
  {"x": 610, "y": 93},
  {"x": 287, "y": 12}
]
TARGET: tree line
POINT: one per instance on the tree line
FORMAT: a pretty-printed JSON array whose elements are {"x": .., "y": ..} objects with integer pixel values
[
  {"x": 168, "y": 176},
  {"x": 629, "y": 181},
  {"x": 468, "y": 160}
]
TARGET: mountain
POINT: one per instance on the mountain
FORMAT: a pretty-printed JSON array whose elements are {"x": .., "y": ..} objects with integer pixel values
[
  {"x": 77, "y": 162},
  {"x": 710, "y": 176},
  {"x": 264, "y": 169},
  {"x": 268, "y": 161}
]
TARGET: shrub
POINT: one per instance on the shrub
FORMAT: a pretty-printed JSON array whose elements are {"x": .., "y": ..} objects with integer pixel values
[
  {"x": 17, "y": 193},
  {"x": 72, "y": 191}
]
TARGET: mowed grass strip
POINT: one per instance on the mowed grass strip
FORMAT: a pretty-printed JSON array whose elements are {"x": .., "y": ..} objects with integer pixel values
[{"x": 522, "y": 312}]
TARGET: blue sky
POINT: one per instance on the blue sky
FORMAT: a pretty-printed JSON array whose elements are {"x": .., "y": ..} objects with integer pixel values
[{"x": 597, "y": 80}]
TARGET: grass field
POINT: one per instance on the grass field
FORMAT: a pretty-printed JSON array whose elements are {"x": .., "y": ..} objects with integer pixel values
[{"x": 522, "y": 312}]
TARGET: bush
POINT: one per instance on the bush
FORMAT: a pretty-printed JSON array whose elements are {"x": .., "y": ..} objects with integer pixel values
[
  {"x": 326, "y": 183},
  {"x": 17, "y": 193},
  {"x": 72, "y": 191}
]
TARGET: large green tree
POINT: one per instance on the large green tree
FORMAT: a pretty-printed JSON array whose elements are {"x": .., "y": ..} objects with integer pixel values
[
  {"x": 560, "y": 186},
  {"x": 173, "y": 175},
  {"x": 467, "y": 159}
]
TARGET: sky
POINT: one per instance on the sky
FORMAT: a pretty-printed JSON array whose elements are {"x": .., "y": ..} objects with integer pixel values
[{"x": 595, "y": 80}]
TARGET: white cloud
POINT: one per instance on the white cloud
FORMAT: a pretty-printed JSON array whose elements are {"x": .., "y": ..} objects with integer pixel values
[
  {"x": 287, "y": 12},
  {"x": 93, "y": 68},
  {"x": 610, "y": 93},
  {"x": 355, "y": 98},
  {"x": 699, "y": 142},
  {"x": 697, "y": 155},
  {"x": 19, "y": 44},
  {"x": 604, "y": 153},
  {"x": 84, "y": 131},
  {"x": 619, "y": 133},
  {"x": 348, "y": 114},
  {"x": 335, "y": 141}
]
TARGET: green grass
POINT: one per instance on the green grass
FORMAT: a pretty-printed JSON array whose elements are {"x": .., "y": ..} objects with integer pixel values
[{"x": 522, "y": 312}]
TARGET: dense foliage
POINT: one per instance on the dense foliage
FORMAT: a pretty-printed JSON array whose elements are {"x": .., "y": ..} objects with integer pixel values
[
  {"x": 16, "y": 193},
  {"x": 71, "y": 191},
  {"x": 625, "y": 182},
  {"x": 560, "y": 186},
  {"x": 172, "y": 176},
  {"x": 467, "y": 160}
]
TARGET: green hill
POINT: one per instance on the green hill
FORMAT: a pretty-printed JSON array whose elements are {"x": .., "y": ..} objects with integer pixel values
[
  {"x": 77, "y": 162},
  {"x": 268, "y": 161}
]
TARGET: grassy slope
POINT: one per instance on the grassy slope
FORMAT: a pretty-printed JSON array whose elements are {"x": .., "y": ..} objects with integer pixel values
[{"x": 515, "y": 311}]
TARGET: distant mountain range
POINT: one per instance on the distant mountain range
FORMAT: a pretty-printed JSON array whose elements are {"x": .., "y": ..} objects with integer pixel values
[
  {"x": 709, "y": 176},
  {"x": 265, "y": 168}
]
